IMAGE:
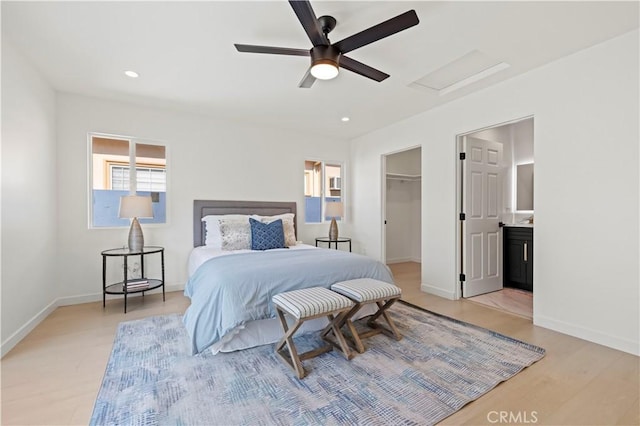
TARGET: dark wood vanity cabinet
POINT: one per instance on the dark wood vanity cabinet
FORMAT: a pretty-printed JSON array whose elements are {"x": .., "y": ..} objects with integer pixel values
[{"x": 518, "y": 257}]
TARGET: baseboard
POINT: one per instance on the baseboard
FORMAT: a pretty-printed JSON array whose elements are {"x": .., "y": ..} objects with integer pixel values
[
  {"x": 23, "y": 331},
  {"x": 619, "y": 343},
  {"x": 96, "y": 297},
  {"x": 401, "y": 260},
  {"x": 78, "y": 300},
  {"x": 437, "y": 291},
  {"x": 171, "y": 288}
]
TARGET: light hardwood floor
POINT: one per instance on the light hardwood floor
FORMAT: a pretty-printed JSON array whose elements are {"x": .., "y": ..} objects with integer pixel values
[
  {"x": 53, "y": 375},
  {"x": 510, "y": 300}
]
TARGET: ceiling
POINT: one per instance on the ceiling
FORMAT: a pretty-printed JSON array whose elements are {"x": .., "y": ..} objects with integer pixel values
[{"x": 185, "y": 56}]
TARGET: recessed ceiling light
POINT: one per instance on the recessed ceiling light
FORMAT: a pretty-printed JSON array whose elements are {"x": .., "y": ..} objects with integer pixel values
[
  {"x": 131, "y": 74},
  {"x": 345, "y": 119}
]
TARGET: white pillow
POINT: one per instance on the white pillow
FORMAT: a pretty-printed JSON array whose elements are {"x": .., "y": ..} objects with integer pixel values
[
  {"x": 287, "y": 226},
  {"x": 213, "y": 238}
]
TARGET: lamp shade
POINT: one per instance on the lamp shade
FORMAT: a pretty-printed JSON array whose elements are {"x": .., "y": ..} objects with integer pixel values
[
  {"x": 135, "y": 206},
  {"x": 334, "y": 209}
]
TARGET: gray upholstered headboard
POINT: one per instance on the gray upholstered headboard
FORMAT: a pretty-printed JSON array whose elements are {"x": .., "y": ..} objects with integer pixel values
[{"x": 202, "y": 208}]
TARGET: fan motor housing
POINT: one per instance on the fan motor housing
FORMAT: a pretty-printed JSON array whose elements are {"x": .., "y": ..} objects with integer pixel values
[{"x": 325, "y": 55}]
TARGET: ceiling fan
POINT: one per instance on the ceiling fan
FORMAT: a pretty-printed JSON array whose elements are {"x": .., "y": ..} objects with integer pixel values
[{"x": 327, "y": 57}]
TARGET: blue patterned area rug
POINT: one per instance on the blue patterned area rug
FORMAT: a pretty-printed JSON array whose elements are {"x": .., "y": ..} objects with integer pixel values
[{"x": 440, "y": 365}]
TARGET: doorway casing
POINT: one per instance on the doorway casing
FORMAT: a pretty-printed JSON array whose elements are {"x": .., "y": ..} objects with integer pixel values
[{"x": 460, "y": 243}]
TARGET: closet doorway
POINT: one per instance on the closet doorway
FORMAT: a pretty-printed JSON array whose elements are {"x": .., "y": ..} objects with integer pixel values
[{"x": 402, "y": 216}]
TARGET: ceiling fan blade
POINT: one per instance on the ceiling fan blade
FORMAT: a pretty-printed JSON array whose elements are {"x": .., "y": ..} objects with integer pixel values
[
  {"x": 273, "y": 50},
  {"x": 377, "y": 32},
  {"x": 307, "y": 81},
  {"x": 307, "y": 18},
  {"x": 362, "y": 69}
]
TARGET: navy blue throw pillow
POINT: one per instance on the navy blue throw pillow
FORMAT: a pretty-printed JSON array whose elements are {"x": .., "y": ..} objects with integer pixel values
[{"x": 266, "y": 236}]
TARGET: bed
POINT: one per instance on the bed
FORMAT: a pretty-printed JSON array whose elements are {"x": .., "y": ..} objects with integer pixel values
[{"x": 231, "y": 290}]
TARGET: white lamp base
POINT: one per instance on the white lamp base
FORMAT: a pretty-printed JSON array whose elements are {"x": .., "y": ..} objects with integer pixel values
[{"x": 136, "y": 239}]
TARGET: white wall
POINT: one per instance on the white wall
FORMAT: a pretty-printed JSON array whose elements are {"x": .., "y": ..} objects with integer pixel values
[
  {"x": 523, "y": 141},
  {"x": 29, "y": 218},
  {"x": 207, "y": 159},
  {"x": 585, "y": 108}
]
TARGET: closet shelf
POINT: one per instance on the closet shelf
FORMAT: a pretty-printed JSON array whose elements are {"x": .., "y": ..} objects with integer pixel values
[{"x": 401, "y": 176}]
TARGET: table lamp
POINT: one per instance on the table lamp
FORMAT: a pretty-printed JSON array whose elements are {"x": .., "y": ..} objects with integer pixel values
[
  {"x": 333, "y": 210},
  {"x": 135, "y": 206}
]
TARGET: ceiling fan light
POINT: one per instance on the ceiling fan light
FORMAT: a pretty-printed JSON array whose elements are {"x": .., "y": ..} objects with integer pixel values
[{"x": 324, "y": 69}]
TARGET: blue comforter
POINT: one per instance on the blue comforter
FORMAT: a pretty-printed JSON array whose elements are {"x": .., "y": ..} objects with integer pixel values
[{"x": 231, "y": 290}]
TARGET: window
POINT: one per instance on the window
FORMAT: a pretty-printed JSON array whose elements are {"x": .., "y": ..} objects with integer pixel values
[
  {"x": 322, "y": 181},
  {"x": 110, "y": 178},
  {"x": 147, "y": 178}
]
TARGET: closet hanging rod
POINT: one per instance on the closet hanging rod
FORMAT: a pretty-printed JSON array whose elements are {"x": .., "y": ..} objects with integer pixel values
[{"x": 400, "y": 176}]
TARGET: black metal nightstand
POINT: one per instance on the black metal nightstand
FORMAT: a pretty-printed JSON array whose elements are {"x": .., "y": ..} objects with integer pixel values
[
  {"x": 336, "y": 241},
  {"x": 134, "y": 285}
]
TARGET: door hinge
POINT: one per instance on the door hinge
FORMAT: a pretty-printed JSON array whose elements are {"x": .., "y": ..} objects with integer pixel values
[
  {"x": 463, "y": 156},
  {"x": 462, "y": 277},
  {"x": 463, "y": 216}
]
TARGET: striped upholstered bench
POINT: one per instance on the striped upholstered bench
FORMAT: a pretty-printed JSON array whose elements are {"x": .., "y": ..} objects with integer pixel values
[
  {"x": 367, "y": 290},
  {"x": 306, "y": 304}
]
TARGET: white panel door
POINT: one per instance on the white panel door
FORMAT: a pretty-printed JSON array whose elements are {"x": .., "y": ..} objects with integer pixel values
[{"x": 482, "y": 198}]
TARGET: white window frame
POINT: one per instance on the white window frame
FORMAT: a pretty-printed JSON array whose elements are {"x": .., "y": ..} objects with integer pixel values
[
  {"x": 132, "y": 179},
  {"x": 324, "y": 189}
]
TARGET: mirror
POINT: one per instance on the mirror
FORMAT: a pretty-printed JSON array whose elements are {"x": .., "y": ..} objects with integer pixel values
[{"x": 524, "y": 187}]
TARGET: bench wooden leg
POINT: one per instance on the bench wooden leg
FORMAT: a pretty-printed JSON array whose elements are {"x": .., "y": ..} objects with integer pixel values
[
  {"x": 337, "y": 333},
  {"x": 375, "y": 328},
  {"x": 346, "y": 320},
  {"x": 354, "y": 336},
  {"x": 382, "y": 311},
  {"x": 293, "y": 360}
]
